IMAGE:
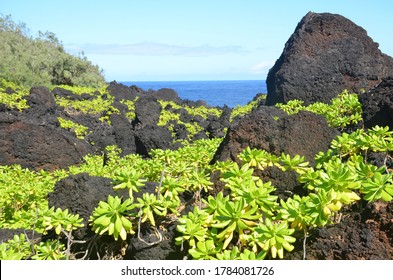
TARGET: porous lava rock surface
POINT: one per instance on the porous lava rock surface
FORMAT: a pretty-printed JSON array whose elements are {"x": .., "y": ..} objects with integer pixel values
[
  {"x": 33, "y": 138},
  {"x": 271, "y": 129},
  {"x": 377, "y": 104},
  {"x": 363, "y": 233},
  {"x": 80, "y": 194},
  {"x": 326, "y": 54},
  {"x": 38, "y": 147}
]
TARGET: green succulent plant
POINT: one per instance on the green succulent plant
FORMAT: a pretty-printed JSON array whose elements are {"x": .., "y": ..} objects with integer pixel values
[
  {"x": 49, "y": 250},
  {"x": 274, "y": 237},
  {"x": 323, "y": 205},
  {"x": 15, "y": 100},
  {"x": 257, "y": 194},
  {"x": 295, "y": 211},
  {"x": 343, "y": 110},
  {"x": 239, "y": 111},
  {"x": 150, "y": 205},
  {"x": 235, "y": 217},
  {"x": 342, "y": 178},
  {"x": 205, "y": 250},
  {"x": 200, "y": 181},
  {"x": 17, "y": 248},
  {"x": 112, "y": 217},
  {"x": 130, "y": 179},
  {"x": 172, "y": 186},
  {"x": 79, "y": 130},
  {"x": 250, "y": 255},
  {"x": 213, "y": 203},
  {"x": 59, "y": 220},
  {"x": 192, "y": 227},
  {"x": 233, "y": 254},
  {"x": 379, "y": 186},
  {"x": 296, "y": 163},
  {"x": 257, "y": 158},
  {"x": 233, "y": 172}
]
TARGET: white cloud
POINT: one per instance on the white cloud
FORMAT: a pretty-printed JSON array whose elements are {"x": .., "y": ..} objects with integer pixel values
[
  {"x": 155, "y": 49},
  {"x": 262, "y": 67}
]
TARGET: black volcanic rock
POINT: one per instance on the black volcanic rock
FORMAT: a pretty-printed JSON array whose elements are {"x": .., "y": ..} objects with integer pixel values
[
  {"x": 152, "y": 137},
  {"x": 124, "y": 134},
  {"x": 38, "y": 146},
  {"x": 42, "y": 106},
  {"x": 326, "y": 54},
  {"x": 80, "y": 194},
  {"x": 147, "y": 111},
  {"x": 122, "y": 92},
  {"x": 377, "y": 105},
  {"x": 271, "y": 129},
  {"x": 167, "y": 94}
]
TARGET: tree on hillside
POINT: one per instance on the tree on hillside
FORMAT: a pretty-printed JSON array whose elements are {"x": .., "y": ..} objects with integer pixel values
[{"x": 41, "y": 60}]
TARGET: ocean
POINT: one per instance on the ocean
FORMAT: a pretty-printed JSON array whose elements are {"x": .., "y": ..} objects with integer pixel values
[{"x": 214, "y": 93}]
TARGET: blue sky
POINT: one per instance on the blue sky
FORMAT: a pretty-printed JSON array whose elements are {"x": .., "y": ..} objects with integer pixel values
[{"x": 173, "y": 40}]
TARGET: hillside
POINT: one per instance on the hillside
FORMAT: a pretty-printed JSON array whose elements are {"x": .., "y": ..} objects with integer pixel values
[{"x": 41, "y": 60}]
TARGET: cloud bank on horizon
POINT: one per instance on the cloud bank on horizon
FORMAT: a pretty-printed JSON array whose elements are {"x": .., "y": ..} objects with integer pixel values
[{"x": 156, "y": 49}]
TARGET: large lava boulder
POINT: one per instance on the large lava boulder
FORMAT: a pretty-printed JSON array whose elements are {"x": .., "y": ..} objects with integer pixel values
[
  {"x": 152, "y": 137},
  {"x": 271, "y": 129},
  {"x": 123, "y": 133},
  {"x": 326, "y": 54},
  {"x": 42, "y": 106},
  {"x": 33, "y": 138},
  {"x": 38, "y": 147},
  {"x": 122, "y": 92},
  {"x": 377, "y": 104},
  {"x": 80, "y": 194},
  {"x": 147, "y": 111}
]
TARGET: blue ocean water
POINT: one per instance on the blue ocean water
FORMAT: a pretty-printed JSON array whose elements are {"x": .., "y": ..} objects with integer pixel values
[{"x": 215, "y": 93}]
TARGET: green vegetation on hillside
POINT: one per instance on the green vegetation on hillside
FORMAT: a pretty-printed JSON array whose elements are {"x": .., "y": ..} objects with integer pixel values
[
  {"x": 41, "y": 60},
  {"x": 12, "y": 95}
]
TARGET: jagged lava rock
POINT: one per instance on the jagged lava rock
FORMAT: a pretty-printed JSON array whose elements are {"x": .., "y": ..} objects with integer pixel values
[
  {"x": 166, "y": 94},
  {"x": 147, "y": 111},
  {"x": 271, "y": 129},
  {"x": 148, "y": 138},
  {"x": 326, "y": 54},
  {"x": 362, "y": 234},
  {"x": 80, "y": 194},
  {"x": 122, "y": 92},
  {"x": 377, "y": 104},
  {"x": 33, "y": 138},
  {"x": 42, "y": 106},
  {"x": 39, "y": 147},
  {"x": 123, "y": 133}
]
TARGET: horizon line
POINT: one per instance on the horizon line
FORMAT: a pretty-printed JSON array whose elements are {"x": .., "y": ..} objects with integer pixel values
[{"x": 223, "y": 80}]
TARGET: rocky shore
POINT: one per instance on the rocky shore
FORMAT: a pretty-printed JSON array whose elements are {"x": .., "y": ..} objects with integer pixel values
[{"x": 325, "y": 55}]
